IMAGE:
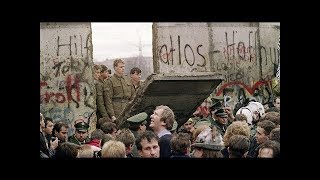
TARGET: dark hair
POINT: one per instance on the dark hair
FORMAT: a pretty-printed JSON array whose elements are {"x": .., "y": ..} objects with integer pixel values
[
  {"x": 126, "y": 136},
  {"x": 58, "y": 125},
  {"x": 103, "y": 68},
  {"x": 108, "y": 127},
  {"x": 46, "y": 119},
  {"x": 97, "y": 134},
  {"x": 275, "y": 146},
  {"x": 267, "y": 126},
  {"x": 102, "y": 120},
  {"x": 148, "y": 135},
  {"x": 180, "y": 143},
  {"x": 238, "y": 145},
  {"x": 273, "y": 117},
  {"x": 134, "y": 126},
  {"x": 134, "y": 70},
  {"x": 67, "y": 150},
  {"x": 275, "y": 135},
  {"x": 106, "y": 138}
]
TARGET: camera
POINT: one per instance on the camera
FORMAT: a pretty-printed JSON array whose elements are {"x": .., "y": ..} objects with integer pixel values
[{"x": 53, "y": 138}]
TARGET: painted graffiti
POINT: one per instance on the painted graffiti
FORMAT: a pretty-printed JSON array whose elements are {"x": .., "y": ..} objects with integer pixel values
[
  {"x": 239, "y": 50},
  {"x": 75, "y": 45},
  {"x": 269, "y": 55},
  {"x": 71, "y": 85},
  {"x": 248, "y": 88},
  {"x": 65, "y": 66},
  {"x": 247, "y": 52},
  {"x": 66, "y": 115},
  {"x": 66, "y": 82},
  {"x": 191, "y": 55}
]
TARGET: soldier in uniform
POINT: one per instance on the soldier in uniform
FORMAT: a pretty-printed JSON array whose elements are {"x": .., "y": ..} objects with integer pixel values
[
  {"x": 137, "y": 125},
  {"x": 81, "y": 134},
  {"x": 220, "y": 121},
  {"x": 119, "y": 90},
  {"x": 96, "y": 72},
  {"x": 135, "y": 74},
  {"x": 100, "y": 88}
]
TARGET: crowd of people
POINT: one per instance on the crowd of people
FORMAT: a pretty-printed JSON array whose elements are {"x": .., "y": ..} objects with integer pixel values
[{"x": 251, "y": 131}]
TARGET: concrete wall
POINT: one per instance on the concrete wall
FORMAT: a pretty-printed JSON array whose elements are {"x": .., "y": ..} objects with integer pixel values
[
  {"x": 181, "y": 48},
  {"x": 245, "y": 53},
  {"x": 66, "y": 79}
]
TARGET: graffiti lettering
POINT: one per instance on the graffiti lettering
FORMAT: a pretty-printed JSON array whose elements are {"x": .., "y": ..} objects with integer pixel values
[
  {"x": 248, "y": 88},
  {"x": 243, "y": 52},
  {"x": 189, "y": 56},
  {"x": 73, "y": 44},
  {"x": 65, "y": 66},
  {"x": 72, "y": 84},
  {"x": 185, "y": 54},
  {"x": 269, "y": 54}
]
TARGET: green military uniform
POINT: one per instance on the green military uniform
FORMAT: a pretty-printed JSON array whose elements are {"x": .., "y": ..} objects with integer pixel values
[
  {"x": 221, "y": 128},
  {"x": 139, "y": 86},
  {"x": 118, "y": 92},
  {"x": 74, "y": 140},
  {"x": 82, "y": 127},
  {"x": 101, "y": 105},
  {"x": 137, "y": 120}
]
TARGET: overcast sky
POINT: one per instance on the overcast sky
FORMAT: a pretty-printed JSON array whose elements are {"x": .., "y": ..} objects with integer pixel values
[{"x": 119, "y": 40}]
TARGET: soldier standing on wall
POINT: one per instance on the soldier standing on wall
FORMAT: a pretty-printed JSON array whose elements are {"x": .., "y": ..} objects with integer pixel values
[
  {"x": 100, "y": 87},
  {"x": 119, "y": 90},
  {"x": 135, "y": 74}
]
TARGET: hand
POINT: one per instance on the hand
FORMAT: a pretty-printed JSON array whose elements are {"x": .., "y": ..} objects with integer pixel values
[
  {"x": 229, "y": 112},
  {"x": 54, "y": 144}
]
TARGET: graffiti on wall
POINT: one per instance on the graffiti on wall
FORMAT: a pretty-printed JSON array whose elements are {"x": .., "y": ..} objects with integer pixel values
[
  {"x": 241, "y": 52},
  {"x": 186, "y": 53},
  {"x": 66, "y": 81},
  {"x": 238, "y": 58},
  {"x": 235, "y": 53}
]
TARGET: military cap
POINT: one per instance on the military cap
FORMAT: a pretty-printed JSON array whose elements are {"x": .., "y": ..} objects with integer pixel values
[
  {"x": 216, "y": 105},
  {"x": 217, "y": 98},
  {"x": 206, "y": 140},
  {"x": 174, "y": 126},
  {"x": 138, "y": 118},
  {"x": 221, "y": 113},
  {"x": 82, "y": 126}
]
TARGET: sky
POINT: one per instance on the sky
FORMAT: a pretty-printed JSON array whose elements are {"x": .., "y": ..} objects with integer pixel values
[{"x": 120, "y": 40}]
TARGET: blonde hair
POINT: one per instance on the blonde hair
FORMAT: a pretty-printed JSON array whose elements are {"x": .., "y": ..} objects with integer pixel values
[
  {"x": 85, "y": 151},
  {"x": 167, "y": 116},
  {"x": 113, "y": 149},
  {"x": 236, "y": 128},
  {"x": 116, "y": 62}
]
